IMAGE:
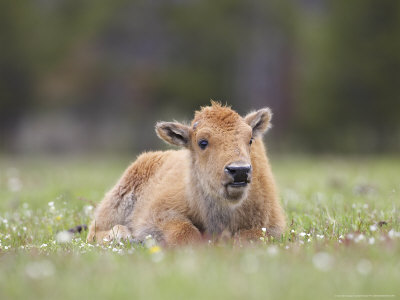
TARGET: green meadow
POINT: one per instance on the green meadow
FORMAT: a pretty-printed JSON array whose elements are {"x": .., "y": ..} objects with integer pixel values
[{"x": 342, "y": 238}]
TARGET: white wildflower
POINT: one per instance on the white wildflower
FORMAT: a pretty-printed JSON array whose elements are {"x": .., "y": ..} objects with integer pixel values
[
  {"x": 392, "y": 234},
  {"x": 320, "y": 236},
  {"x": 88, "y": 209},
  {"x": 40, "y": 269},
  {"x": 43, "y": 246},
  {"x": 371, "y": 241},
  {"x": 359, "y": 238},
  {"x": 373, "y": 227},
  {"x": 364, "y": 267},
  {"x": 14, "y": 184},
  {"x": 64, "y": 237},
  {"x": 302, "y": 234},
  {"x": 51, "y": 206},
  {"x": 323, "y": 261},
  {"x": 264, "y": 229},
  {"x": 272, "y": 250},
  {"x": 149, "y": 242}
]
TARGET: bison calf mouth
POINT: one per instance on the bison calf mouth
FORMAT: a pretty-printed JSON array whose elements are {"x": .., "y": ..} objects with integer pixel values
[
  {"x": 238, "y": 183},
  {"x": 236, "y": 190}
]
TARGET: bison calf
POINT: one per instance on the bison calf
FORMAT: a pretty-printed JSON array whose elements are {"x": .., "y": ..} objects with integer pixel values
[{"x": 220, "y": 182}]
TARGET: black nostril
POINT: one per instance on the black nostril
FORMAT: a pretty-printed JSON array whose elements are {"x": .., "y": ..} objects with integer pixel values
[
  {"x": 239, "y": 173},
  {"x": 231, "y": 170}
]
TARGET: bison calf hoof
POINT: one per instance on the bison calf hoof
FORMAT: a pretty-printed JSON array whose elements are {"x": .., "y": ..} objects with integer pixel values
[{"x": 120, "y": 232}]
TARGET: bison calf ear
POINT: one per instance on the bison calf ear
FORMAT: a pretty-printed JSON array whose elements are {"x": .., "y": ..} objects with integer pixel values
[
  {"x": 173, "y": 133},
  {"x": 259, "y": 121}
]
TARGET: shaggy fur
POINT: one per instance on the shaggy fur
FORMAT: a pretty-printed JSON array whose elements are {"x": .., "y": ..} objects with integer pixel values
[{"x": 184, "y": 196}]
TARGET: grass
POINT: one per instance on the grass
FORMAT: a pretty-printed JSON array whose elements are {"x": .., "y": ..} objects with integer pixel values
[{"x": 342, "y": 238}]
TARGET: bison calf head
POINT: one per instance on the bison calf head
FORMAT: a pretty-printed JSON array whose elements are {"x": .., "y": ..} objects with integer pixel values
[{"x": 220, "y": 143}]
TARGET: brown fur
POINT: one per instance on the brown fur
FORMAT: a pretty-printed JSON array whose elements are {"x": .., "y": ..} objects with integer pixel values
[{"x": 181, "y": 196}]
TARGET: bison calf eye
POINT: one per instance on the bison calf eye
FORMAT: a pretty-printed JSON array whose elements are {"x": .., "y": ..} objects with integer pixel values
[
  {"x": 203, "y": 144},
  {"x": 251, "y": 141}
]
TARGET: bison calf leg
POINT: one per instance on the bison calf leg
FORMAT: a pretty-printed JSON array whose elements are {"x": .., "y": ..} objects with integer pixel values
[
  {"x": 180, "y": 232},
  {"x": 118, "y": 232},
  {"x": 113, "y": 211}
]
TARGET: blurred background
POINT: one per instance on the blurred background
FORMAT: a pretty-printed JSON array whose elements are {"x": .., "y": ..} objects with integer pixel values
[{"x": 93, "y": 76}]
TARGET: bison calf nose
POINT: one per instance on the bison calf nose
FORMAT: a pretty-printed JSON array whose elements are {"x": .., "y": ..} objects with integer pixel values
[{"x": 238, "y": 173}]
